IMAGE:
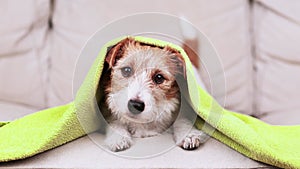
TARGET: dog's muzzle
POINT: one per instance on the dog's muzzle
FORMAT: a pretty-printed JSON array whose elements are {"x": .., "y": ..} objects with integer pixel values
[{"x": 136, "y": 106}]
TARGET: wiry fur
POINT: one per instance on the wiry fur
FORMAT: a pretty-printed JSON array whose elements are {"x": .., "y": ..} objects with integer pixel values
[{"x": 161, "y": 100}]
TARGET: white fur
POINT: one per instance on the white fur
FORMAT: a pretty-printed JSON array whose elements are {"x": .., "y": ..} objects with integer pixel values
[{"x": 117, "y": 137}]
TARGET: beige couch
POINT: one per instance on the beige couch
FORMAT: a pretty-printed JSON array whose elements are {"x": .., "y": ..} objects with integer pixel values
[{"x": 258, "y": 43}]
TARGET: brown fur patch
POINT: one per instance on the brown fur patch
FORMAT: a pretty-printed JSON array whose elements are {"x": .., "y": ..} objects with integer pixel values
[
  {"x": 189, "y": 47},
  {"x": 179, "y": 60},
  {"x": 173, "y": 91},
  {"x": 117, "y": 51}
]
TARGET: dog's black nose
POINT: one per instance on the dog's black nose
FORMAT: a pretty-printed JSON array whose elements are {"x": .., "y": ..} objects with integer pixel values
[{"x": 136, "y": 106}]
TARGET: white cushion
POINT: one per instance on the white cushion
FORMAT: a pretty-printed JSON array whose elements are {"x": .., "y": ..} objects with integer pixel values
[
  {"x": 84, "y": 153},
  {"x": 73, "y": 23},
  {"x": 277, "y": 39},
  {"x": 23, "y": 51},
  {"x": 227, "y": 26},
  {"x": 10, "y": 111}
]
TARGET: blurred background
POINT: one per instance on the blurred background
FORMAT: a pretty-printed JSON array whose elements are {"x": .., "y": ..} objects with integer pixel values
[{"x": 257, "y": 42}]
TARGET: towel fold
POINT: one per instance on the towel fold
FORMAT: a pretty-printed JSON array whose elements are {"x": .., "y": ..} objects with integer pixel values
[
  {"x": 47, "y": 129},
  {"x": 3, "y": 123}
]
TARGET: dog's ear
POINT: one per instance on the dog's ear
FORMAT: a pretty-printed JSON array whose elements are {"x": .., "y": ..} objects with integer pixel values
[
  {"x": 190, "y": 46},
  {"x": 178, "y": 59},
  {"x": 114, "y": 53},
  {"x": 181, "y": 65}
]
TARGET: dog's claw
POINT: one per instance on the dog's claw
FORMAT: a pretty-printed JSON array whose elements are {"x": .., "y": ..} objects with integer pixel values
[
  {"x": 193, "y": 140},
  {"x": 119, "y": 143},
  {"x": 190, "y": 143}
]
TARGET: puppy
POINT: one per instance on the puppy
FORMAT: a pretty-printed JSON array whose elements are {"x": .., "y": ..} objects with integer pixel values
[{"x": 142, "y": 96}]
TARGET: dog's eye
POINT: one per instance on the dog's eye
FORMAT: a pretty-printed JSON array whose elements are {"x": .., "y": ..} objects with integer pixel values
[
  {"x": 158, "y": 79},
  {"x": 126, "y": 71}
]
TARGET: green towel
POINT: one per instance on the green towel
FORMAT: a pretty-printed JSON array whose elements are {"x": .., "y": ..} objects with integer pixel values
[{"x": 47, "y": 129}]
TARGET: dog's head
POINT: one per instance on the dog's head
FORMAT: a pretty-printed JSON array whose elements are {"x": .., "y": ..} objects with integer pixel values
[{"x": 143, "y": 85}]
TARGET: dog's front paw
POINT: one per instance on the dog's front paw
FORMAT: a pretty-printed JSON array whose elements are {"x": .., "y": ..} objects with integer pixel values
[
  {"x": 193, "y": 140},
  {"x": 118, "y": 143}
]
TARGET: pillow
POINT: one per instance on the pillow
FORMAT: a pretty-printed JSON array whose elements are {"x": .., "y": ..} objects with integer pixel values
[
  {"x": 23, "y": 51},
  {"x": 277, "y": 39}
]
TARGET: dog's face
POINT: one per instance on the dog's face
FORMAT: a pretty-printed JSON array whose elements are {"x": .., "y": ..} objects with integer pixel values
[{"x": 143, "y": 84}]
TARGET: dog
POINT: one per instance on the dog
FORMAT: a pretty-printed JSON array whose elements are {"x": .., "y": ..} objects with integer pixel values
[{"x": 142, "y": 97}]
